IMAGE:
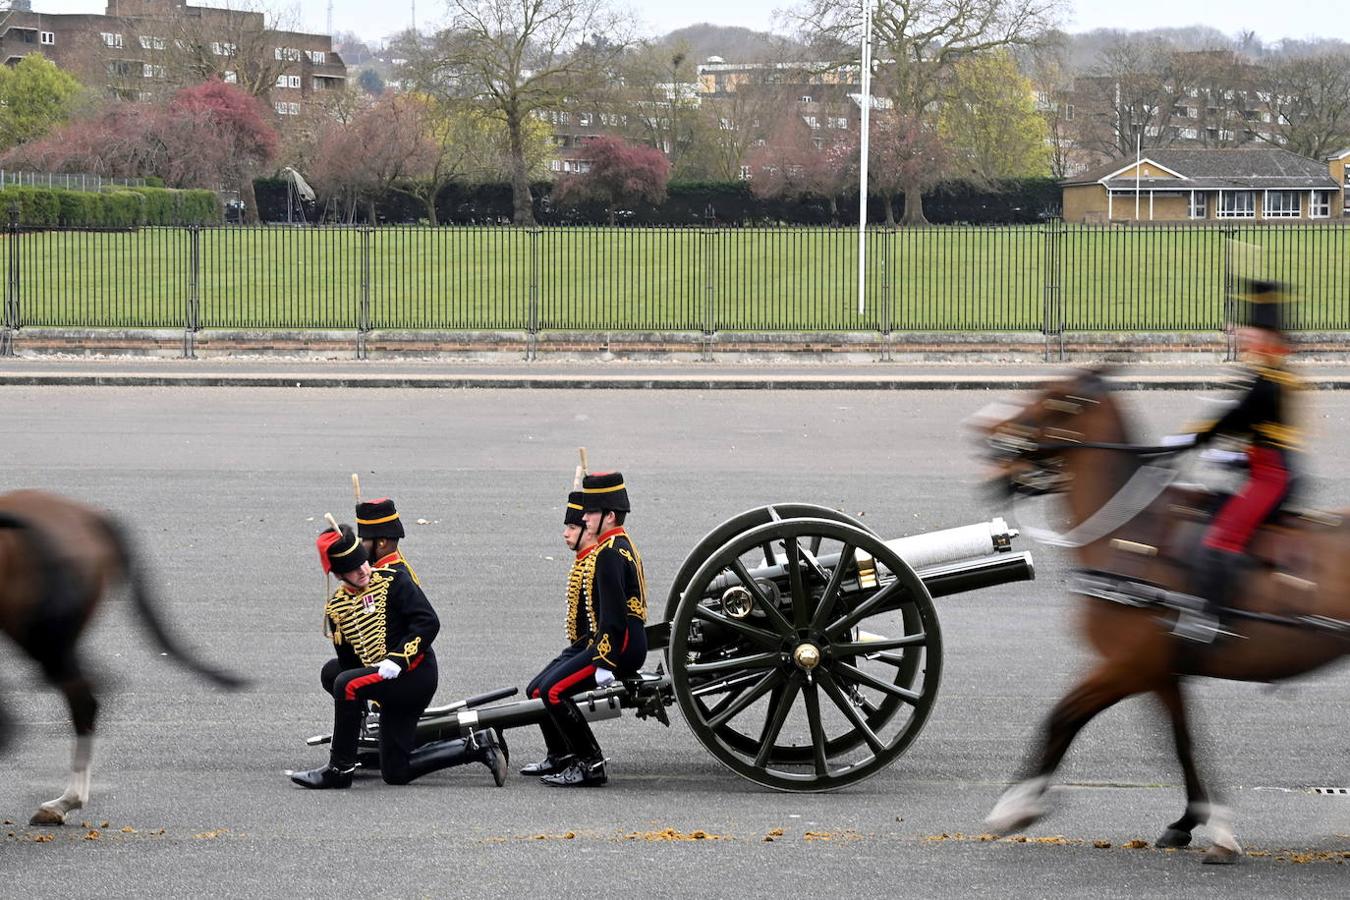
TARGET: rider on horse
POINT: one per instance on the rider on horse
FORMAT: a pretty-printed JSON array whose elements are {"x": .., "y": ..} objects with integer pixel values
[{"x": 1264, "y": 417}]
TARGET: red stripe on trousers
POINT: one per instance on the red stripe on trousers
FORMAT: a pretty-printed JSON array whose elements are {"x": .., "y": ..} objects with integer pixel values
[
  {"x": 357, "y": 683},
  {"x": 556, "y": 691},
  {"x": 1240, "y": 517}
]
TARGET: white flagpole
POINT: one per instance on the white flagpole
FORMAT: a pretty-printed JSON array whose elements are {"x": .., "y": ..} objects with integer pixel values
[{"x": 865, "y": 125}]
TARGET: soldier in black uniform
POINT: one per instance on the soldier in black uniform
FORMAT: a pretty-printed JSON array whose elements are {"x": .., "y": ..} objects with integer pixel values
[
  {"x": 380, "y": 528},
  {"x": 382, "y": 627},
  {"x": 618, "y": 593},
  {"x": 1265, "y": 418},
  {"x": 578, "y": 626}
]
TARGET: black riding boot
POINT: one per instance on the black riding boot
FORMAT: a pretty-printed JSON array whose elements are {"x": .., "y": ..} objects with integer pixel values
[
  {"x": 1215, "y": 571},
  {"x": 587, "y": 767},
  {"x": 337, "y": 774},
  {"x": 443, "y": 754},
  {"x": 559, "y": 756}
]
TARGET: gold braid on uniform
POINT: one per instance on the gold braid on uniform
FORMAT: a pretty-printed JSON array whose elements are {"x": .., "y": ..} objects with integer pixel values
[
  {"x": 579, "y": 582},
  {"x": 365, "y": 632},
  {"x": 637, "y": 606}
]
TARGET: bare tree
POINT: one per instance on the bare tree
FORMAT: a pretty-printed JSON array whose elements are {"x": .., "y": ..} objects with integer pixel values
[
  {"x": 517, "y": 57},
  {"x": 1309, "y": 103},
  {"x": 240, "y": 43},
  {"x": 918, "y": 43}
]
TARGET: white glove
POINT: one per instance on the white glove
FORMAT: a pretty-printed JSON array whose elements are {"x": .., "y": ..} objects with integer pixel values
[
  {"x": 1223, "y": 457},
  {"x": 1177, "y": 440},
  {"x": 603, "y": 677},
  {"x": 389, "y": 670}
]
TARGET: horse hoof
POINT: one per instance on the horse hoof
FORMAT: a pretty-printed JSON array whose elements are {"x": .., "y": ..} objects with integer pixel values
[
  {"x": 1174, "y": 838},
  {"x": 1220, "y": 856},
  {"x": 47, "y": 816}
]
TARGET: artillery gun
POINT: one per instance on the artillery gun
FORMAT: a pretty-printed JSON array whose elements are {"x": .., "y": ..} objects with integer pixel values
[{"x": 803, "y": 650}]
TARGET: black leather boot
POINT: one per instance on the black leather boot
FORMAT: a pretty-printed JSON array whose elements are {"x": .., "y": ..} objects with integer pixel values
[
  {"x": 325, "y": 777},
  {"x": 581, "y": 773},
  {"x": 549, "y": 765},
  {"x": 1215, "y": 572},
  {"x": 443, "y": 754}
]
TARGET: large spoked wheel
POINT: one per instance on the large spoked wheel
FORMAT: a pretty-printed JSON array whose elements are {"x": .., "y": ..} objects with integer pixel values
[
  {"x": 813, "y": 673},
  {"x": 739, "y": 524}
]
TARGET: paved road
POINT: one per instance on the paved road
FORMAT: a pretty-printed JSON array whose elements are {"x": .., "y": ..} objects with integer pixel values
[{"x": 225, "y": 489}]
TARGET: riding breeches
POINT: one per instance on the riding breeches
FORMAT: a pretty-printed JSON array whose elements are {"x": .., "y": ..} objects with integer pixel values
[
  {"x": 402, "y": 701},
  {"x": 1268, "y": 487}
]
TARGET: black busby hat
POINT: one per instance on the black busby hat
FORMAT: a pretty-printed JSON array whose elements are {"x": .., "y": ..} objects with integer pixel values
[
  {"x": 1265, "y": 304},
  {"x": 378, "y": 519},
  {"x": 574, "y": 508},
  {"x": 340, "y": 551},
  {"x": 605, "y": 491}
]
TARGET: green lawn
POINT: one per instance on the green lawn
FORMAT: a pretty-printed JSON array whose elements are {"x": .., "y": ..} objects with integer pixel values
[{"x": 618, "y": 279}]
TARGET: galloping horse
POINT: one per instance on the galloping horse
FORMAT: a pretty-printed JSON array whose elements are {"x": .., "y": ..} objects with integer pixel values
[
  {"x": 1132, "y": 532},
  {"x": 57, "y": 559}
]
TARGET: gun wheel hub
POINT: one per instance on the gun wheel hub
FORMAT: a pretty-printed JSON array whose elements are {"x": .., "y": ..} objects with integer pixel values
[{"x": 806, "y": 656}]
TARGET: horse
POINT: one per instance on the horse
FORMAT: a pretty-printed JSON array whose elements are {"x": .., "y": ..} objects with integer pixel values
[
  {"x": 57, "y": 560},
  {"x": 1132, "y": 528}
]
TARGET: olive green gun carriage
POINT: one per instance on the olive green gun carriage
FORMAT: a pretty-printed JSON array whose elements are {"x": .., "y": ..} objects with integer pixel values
[{"x": 803, "y": 650}]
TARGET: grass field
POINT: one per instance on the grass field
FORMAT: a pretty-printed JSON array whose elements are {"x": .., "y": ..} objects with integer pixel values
[{"x": 794, "y": 279}]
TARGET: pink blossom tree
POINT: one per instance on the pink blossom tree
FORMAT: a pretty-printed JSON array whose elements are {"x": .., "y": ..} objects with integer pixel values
[{"x": 621, "y": 174}]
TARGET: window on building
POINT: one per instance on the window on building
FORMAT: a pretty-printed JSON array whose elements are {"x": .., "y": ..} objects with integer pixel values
[
  {"x": 152, "y": 71},
  {"x": 1320, "y": 205},
  {"x": 112, "y": 40},
  {"x": 231, "y": 77},
  {"x": 1198, "y": 208},
  {"x": 224, "y": 48},
  {"x": 289, "y": 54},
  {"x": 318, "y": 57},
  {"x": 555, "y": 165},
  {"x": 724, "y": 123},
  {"x": 1237, "y": 204},
  {"x": 840, "y": 122},
  {"x": 585, "y": 119},
  {"x": 1281, "y": 205},
  {"x": 745, "y": 173},
  {"x": 806, "y": 98},
  {"x": 150, "y": 42},
  {"x": 284, "y": 108},
  {"x": 47, "y": 37},
  {"x": 811, "y": 121}
]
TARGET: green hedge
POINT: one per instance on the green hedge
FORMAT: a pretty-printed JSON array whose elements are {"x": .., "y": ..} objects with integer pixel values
[{"x": 115, "y": 208}]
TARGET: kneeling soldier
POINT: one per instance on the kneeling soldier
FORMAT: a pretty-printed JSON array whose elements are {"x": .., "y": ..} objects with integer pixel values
[
  {"x": 382, "y": 627},
  {"x": 618, "y": 593},
  {"x": 380, "y": 529}
]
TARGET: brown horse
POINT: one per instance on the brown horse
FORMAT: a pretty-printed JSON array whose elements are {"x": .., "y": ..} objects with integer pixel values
[
  {"x": 57, "y": 559},
  {"x": 1131, "y": 531}
]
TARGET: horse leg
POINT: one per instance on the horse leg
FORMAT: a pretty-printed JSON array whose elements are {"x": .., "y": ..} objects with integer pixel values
[
  {"x": 1025, "y": 802},
  {"x": 83, "y": 711}
]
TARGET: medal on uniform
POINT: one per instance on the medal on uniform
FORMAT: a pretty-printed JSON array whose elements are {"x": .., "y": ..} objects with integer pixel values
[{"x": 368, "y": 603}]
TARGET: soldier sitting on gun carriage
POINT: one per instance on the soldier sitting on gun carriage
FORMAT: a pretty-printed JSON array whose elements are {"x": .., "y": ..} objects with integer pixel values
[
  {"x": 382, "y": 628},
  {"x": 579, "y": 627},
  {"x": 614, "y": 582},
  {"x": 1264, "y": 418}
]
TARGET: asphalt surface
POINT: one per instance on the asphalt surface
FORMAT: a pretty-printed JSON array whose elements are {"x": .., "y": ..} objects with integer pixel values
[{"x": 224, "y": 489}]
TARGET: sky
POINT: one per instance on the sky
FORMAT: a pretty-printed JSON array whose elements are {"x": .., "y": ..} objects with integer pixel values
[{"x": 1270, "y": 20}]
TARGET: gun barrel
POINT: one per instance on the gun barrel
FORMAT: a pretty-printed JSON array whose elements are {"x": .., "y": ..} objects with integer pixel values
[{"x": 920, "y": 551}]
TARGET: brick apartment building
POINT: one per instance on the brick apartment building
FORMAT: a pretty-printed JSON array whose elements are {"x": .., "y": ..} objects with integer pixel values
[{"x": 141, "y": 48}]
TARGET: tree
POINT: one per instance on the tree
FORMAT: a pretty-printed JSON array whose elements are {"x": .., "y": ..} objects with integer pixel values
[
  {"x": 516, "y": 57},
  {"x": 383, "y": 148},
  {"x": 1310, "y": 104},
  {"x": 906, "y": 155},
  {"x": 991, "y": 123},
  {"x": 622, "y": 173},
  {"x": 211, "y": 135},
  {"x": 35, "y": 97},
  {"x": 918, "y": 45},
  {"x": 796, "y": 163},
  {"x": 236, "y": 44}
]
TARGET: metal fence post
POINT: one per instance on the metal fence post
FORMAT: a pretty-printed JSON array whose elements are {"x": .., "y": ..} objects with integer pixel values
[
  {"x": 532, "y": 337},
  {"x": 192, "y": 310},
  {"x": 1052, "y": 297},
  {"x": 11, "y": 320},
  {"x": 887, "y": 286},
  {"x": 363, "y": 310},
  {"x": 709, "y": 243},
  {"x": 1226, "y": 302}
]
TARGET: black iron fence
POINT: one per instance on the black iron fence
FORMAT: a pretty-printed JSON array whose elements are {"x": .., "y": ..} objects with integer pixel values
[{"x": 1048, "y": 279}]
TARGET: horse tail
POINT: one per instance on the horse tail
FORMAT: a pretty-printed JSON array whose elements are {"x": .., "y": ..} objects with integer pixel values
[{"x": 140, "y": 595}]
